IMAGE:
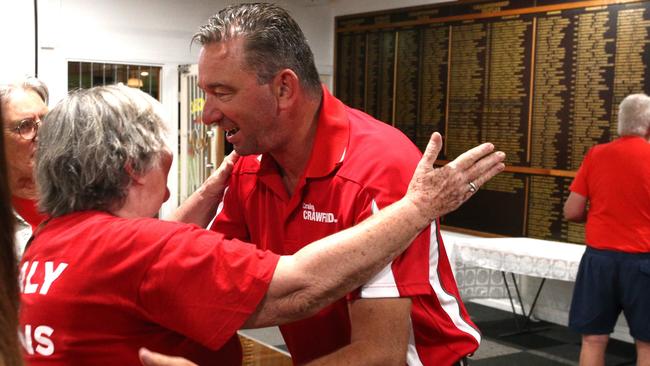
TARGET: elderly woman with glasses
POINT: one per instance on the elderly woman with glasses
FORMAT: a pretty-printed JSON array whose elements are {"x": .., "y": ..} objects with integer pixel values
[{"x": 22, "y": 104}]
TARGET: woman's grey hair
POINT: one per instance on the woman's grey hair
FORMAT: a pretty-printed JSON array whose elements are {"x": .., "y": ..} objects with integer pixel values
[
  {"x": 272, "y": 41},
  {"x": 90, "y": 146},
  {"x": 27, "y": 84},
  {"x": 634, "y": 115}
]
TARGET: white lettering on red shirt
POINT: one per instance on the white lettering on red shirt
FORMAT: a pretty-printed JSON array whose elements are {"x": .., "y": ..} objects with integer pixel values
[
  {"x": 51, "y": 274},
  {"x": 309, "y": 213},
  {"x": 41, "y": 337}
]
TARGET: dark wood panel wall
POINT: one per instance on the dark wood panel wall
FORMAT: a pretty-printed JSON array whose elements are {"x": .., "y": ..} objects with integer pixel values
[{"x": 540, "y": 79}]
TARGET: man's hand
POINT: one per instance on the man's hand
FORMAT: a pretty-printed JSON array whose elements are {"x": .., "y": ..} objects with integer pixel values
[
  {"x": 438, "y": 191},
  {"x": 149, "y": 358}
]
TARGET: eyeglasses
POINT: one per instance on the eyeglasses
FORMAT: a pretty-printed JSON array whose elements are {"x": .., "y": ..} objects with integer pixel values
[{"x": 28, "y": 128}]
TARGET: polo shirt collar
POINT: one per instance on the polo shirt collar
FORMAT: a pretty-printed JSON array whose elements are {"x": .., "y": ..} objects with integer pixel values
[
  {"x": 332, "y": 137},
  {"x": 330, "y": 142}
]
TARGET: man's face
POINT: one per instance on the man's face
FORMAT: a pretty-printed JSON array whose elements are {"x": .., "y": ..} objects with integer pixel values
[
  {"x": 236, "y": 102},
  {"x": 19, "y": 106}
]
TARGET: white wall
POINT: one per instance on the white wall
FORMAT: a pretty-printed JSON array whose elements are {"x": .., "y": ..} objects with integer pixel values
[
  {"x": 317, "y": 22},
  {"x": 156, "y": 32},
  {"x": 17, "y": 40},
  {"x": 152, "y": 32}
]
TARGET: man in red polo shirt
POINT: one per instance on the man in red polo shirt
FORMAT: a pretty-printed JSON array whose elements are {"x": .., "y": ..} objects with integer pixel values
[
  {"x": 311, "y": 167},
  {"x": 614, "y": 273}
]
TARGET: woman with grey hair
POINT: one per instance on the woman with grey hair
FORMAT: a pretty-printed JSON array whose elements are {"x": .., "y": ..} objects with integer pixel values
[
  {"x": 611, "y": 192},
  {"x": 23, "y": 105},
  {"x": 102, "y": 278}
]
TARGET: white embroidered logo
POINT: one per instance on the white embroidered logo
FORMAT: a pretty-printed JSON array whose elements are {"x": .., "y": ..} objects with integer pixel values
[{"x": 309, "y": 213}]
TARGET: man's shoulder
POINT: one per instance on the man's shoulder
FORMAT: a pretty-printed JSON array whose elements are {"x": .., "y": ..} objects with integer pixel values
[
  {"x": 377, "y": 145},
  {"x": 361, "y": 120},
  {"x": 378, "y": 156},
  {"x": 371, "y": 132}
]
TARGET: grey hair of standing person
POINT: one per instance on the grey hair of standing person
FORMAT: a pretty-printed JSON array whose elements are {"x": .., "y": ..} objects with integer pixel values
[
  {"x": 92, "y": 144},
  {"x": 634, "y": 115},
  {"x": 26, "y": 84},
  {"x": 273, "y": 41}
]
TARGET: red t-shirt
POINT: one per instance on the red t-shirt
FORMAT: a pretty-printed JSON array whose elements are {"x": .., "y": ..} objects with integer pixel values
[
  {"x": 357, "y": 166},
  {"x": 615, "y": 177},
  {"x": 96, "y": 287},
  {"x": 28, "y": 210}
]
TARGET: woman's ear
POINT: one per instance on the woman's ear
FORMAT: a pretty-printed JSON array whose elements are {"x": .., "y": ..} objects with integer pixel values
[{"x": 135, "y": 177}]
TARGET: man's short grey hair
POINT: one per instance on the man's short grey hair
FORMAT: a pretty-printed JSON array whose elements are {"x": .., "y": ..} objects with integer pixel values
[
  {"x": 27, "y": 84},
  {"x": 273, "y": 41},
  {"x": 634, "y": 115},
  {"x": 90, "y": 146}
]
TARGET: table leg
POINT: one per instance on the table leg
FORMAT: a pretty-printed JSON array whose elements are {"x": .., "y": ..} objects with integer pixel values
[
  {"x": 532, "y": 307},
  {"x": 512, "y": 305},
  {"x": 525, "y": 328}
]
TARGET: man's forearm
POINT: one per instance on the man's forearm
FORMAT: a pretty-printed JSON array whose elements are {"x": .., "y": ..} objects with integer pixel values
[
  {"x": 380, "y": 329},
  {"x": 356, "y": 353}
]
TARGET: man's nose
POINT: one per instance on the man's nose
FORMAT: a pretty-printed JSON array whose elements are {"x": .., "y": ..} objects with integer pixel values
[{"x": 211, "y": 113}]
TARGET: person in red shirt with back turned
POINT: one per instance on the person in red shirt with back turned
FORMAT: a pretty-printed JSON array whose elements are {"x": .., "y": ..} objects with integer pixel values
[
  {"x": 312, "y": 166},
  {"x": 614, "y": 273},
  {"x": 23, "y": 106}
]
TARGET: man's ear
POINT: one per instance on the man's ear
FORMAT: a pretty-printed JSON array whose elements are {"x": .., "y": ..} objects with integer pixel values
[{"x": 286, "y": 86}]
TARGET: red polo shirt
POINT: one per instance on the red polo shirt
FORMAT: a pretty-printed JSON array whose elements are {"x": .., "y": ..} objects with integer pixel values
[
  {"x": 357, "y": 166},
  {"x": 615, "y": 177}
]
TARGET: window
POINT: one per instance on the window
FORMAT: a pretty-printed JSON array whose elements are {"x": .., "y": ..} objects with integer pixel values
[{"x": 88, "y": 74}]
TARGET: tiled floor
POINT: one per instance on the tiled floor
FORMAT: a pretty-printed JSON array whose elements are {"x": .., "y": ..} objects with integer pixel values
[{"x": 550, "y": 345}]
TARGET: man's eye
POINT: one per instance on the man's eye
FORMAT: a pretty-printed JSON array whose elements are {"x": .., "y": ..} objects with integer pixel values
[{"x": 223, "y": 95}]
